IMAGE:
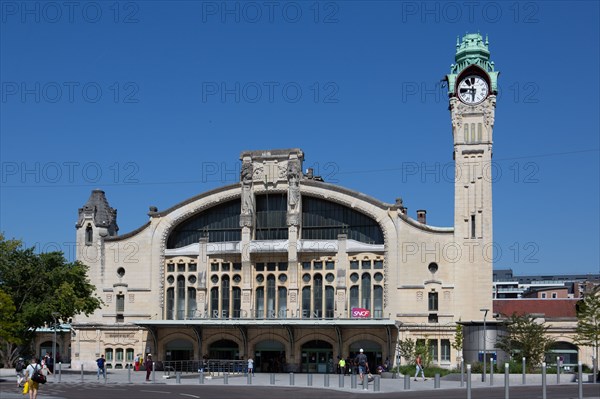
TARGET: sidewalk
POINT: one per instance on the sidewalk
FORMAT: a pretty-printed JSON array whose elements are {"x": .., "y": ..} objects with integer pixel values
[{"x": 69, "y": 376}]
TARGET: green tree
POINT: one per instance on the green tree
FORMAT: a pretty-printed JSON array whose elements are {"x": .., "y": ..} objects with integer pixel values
[
  {"x": 458, "y": 339},
  {"x": 587, "y": 331},
  {"x": 527, "y": 338},
  {"x": 34, "y": 287},
  {"x": 406, "y": 349},
  {"x": 423, "y": 348}
]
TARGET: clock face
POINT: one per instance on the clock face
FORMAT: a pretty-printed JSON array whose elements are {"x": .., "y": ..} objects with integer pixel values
[{"x": 472, "y": 90}]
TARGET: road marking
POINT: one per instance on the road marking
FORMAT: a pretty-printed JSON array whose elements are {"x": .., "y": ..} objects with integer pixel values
[
  {"x": 147, "y": 390},
  {"x": 187, "y": 394}
]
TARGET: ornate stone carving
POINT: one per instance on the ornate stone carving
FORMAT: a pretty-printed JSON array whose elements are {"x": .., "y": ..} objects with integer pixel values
[{"x": 246, "y": 180}]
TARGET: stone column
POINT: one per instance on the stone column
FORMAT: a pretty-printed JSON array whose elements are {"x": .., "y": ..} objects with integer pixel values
[{"x": 343, "y": 265}]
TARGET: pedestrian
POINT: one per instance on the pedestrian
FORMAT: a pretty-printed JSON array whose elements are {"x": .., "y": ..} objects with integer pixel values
[
  {"x": 45, "y": 369},
  {"x": 50, "y": 362},
  {"x": 419, "y": 364},
  {"x": 20, "y": 370},
  {"x": 136, "y": 362},
  {"x": 148, "y": 365},
  {"x": 101, "y": 362},
  {"x": 363, "y": 366},
  {"x": 342, "y": 365},
  {"x": 250, "y": 366},
  {"x": 29, "y": 371}
]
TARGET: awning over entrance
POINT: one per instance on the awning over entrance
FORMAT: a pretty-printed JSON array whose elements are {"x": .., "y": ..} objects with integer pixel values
[{"x": 369, "y": 323}]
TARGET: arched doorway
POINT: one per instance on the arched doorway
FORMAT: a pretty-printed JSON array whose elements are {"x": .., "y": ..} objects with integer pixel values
[
  {"x": 223, "y": 349},
  {"x": 269, "y": 357},
  {"x": 179, "y": 349},
  {"x": 317, "y": 357},
  {"x": 46, "y": 347},
  {"x": 371, "y": 349}
]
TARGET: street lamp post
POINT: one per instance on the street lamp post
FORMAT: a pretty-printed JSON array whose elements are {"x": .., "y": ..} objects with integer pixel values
[
  {"x": 484, "y": 348},
  {"x": 54, "y": 316}
]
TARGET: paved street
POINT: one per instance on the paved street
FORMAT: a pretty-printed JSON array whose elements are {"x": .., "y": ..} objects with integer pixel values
[{"x": 118, "y": 385}]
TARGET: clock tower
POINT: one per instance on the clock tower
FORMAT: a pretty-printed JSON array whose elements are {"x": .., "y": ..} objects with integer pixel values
[{"x": 472, "y": 89}]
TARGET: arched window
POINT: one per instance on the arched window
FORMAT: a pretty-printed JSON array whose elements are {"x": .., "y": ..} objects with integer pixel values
[
  {"x": 377, "y": 301},
  {"x": 282, "y": 305},
  {"x": 329, "y": 302},
  {"x": 318, "y": 295},
  {"x": 306, "y": 302},
  {"x": 354, "y": 297},
  {"x": 260, "y": 302},
  {"x": 237, "y": 302},
  {"x": 225, "y": 299},
  {"x": 214, "y": 302},
  {"x": 270, "y": 295},
  {"x": 191, "y": 302},
  {"x": 170, "y": 303},
  {"x": 365, "y": 291},
  {"x": 180, "y": 297},
  {"x": 89, "y": 235}
]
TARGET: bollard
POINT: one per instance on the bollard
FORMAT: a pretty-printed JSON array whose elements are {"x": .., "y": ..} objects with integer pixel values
[
  {"x": 544, "y": 380},
  {"x": 580, "y": 380},
  {"x": 353, "y": 381},
  {"x": 406, "y": 382},
  {"x": 309, "y": 380},
  {"x": 59, "y": 371},
  {"x": 292, "y": 379},
  {"x": 249, "y": 379},
  {"x": 365, "y": 382},
  {"x": 377, "y": 383},
  {"x": 436, "y": 380},
  {"x": 524, "y": 366},
  {"x": 129, "y": 374},
  {"x": 468, "y": 381},
  {"x": 462, "y": 374},
  {"x": 201, "y": 377},
  {"x": 225, "y": 378},
  {"x": 272, "y": 379},
  {"x": 326, "y": 380},
  {"x": 341, "y": 380},
  {"x": 506, "y": 380},
  {"x": 491, "y": 372},
  {"x": 82, "y": 373},
  {"x": 178, "y": 377},
  {"x": 153, "y": 372}
]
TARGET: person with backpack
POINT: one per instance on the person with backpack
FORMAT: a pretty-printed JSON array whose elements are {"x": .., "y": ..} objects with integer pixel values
[
  {"x": 101, "y": 362},
  {"x": 363, "y": 366},
  {"x": 29, "y": 372},
  {"x": 20, "y": 370}
]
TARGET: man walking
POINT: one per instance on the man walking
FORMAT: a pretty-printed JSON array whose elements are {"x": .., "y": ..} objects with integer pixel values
[
  {"x": 363, "y": 366},
  {"x": 101, "y": 362}
]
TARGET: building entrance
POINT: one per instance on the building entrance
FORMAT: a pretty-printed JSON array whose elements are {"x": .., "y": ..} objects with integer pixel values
[{"x": 317, "y": 357}]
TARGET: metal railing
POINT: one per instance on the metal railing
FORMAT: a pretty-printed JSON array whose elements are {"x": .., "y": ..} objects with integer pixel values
[{"x": 211, "y": 367}]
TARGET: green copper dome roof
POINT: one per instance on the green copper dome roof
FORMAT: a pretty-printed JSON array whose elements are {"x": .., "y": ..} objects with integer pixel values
[{"x": 472, "y": 50}]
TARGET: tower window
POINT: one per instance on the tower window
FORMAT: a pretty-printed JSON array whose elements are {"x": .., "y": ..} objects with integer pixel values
[
  {"x": 433, "y": 301},
  {"x": 89, "y": 235},
  {"x": 472, "y": 226}
]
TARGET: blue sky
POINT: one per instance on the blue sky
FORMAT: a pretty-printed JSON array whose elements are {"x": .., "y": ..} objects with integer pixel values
[{"x": 153, "y": 102}]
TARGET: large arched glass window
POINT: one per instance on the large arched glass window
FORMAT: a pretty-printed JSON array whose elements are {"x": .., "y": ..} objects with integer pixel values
[
  {"x": 220, "y": 223},
  {"x": 325, "y": 220},
  {"x": 271, "y": 217}
]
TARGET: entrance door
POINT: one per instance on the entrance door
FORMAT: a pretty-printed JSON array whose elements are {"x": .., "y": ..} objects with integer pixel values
[{"x": 317, "y": 357}]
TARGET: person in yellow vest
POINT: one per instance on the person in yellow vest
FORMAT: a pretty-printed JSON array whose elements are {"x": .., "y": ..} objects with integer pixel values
[{"x": 341, "y": 365}]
